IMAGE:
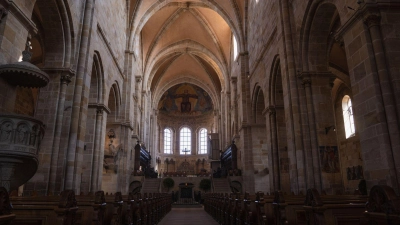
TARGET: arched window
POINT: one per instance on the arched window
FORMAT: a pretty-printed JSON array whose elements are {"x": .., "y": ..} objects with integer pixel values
[
  {"x": 235, "y": 47},
  {"x": 348, "y": 116},
  {"x": 185, "y": 138},
  {"x": 203, "y": 141},
  {"x": 167, "y": 141}
]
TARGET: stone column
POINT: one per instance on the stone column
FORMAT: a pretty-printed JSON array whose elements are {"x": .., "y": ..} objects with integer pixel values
[
  {"x": 393, "y": 150},
  {"x": 235, "y": 105},
  {"x": 228, "y": 115},
  {"x": 136, "y": 107},
  {"x": 64, "y": 81},
  {"x": 155, "y": 131},
  {"x": 316, "y": 170},
  {"x": 294, "y": 133},
  {"x": 143, "y": 117},
  {"x": 74, "y": 144},
  {"x": 221, "y": 123},
  {"x": 274, "y": 145},
  {"x": 96, "y": 151},
  {"x": 216, "y": 121},
  {"x": 306, "y": 81},
  {"x": 6, "y": 174}
]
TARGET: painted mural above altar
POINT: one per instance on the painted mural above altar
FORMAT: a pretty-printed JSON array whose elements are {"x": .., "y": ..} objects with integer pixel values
[{"x": 185, "y": 99}]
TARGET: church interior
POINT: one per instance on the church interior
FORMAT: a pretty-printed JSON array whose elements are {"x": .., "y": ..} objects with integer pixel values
[{"x": 254, "y": 111}]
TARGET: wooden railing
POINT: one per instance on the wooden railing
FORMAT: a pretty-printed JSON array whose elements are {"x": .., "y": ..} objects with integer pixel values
[
  {"x": 229, "y": 158},
  {"x": 143, "y": 161},
  {"x": 383, "y": 207},
  {"x": 97, "y": 209}
]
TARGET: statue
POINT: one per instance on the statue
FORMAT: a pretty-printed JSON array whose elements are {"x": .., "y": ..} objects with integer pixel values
[
  {"x": 112, "y": 158},
  {"x": 5, "y": 131},
  {"x": 22, "y": 134}
]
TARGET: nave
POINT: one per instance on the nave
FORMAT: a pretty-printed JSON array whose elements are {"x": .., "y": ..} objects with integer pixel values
[{"x": 188, "y": 216}]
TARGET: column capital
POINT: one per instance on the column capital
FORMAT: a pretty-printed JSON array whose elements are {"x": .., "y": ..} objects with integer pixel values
[
  {"x": 138, "y": 78},
  {"x": 65, "y": 78},
  {"x": 98, "y": 107},
  {"x": 3, "y": 13},
  {"x": 234, "y": 80},
  {"x": 65, "y": 74},
  {"x": 306, "y": 81},
  {"x": 372, "y": 19},
  {"x": 271, "y": 110},
  {"x": 99, "y": 111}
]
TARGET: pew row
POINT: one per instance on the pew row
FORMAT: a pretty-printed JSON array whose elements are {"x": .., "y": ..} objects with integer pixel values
[
  {"x": 98, "y": 209},
  {"x": 381, "y": 207}
]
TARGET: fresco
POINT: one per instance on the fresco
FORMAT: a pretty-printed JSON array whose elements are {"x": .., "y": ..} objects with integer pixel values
[
  {"x": 185, "y": 99},
  {"x": 329, "y": 159}
]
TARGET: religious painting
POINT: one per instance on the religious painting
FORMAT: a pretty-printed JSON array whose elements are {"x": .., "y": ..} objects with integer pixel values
[
  {"x": 185, "y": 99},
  {"x": 329, "y": 159},
  {"x": 355, "y": 173}
]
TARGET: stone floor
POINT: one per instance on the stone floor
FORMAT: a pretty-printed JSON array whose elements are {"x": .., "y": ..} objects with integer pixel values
[{"x": 188, "y": 216}]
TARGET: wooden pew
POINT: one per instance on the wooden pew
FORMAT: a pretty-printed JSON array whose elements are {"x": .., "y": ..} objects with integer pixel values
[
  {"x": 383, "y": 206},
  {"x": 99, "y": 209},
  {"x": 6, "y": 215},
  {"x": 286, "y": 209},
  {"x": 343, "y": 210}
]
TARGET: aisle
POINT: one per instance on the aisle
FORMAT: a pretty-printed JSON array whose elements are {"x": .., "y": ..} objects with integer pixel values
[{"x": 188, "y": 216}]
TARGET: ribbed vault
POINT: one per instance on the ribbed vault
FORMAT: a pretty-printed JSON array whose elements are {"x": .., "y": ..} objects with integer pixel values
[{"x": 185, "y": 41}]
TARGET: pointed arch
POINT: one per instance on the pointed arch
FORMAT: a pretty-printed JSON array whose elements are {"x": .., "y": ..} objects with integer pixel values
[
  {"x": 114, "y": 102},
  {"x": 317, "y": 24},
  {"x": 59, "y": 33},
  {"x": 258, "y": 105},
  {"x": 96, "y": 94}
]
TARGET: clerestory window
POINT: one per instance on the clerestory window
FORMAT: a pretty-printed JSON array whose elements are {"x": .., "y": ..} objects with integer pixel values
[
  {"x": 203, "y": 141},
  {"x": 348, "y": 116},
  {"x": 235, "y": 47},
  {"x": 167, "y": 141},
  {"x": 185, "y": 139}
]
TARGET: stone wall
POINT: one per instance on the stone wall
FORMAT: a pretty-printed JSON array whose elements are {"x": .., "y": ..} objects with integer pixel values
[{"x": 261, "y": 167}]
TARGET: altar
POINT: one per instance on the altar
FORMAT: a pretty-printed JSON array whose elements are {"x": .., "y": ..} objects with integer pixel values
[{"x": 186, "y": 190}]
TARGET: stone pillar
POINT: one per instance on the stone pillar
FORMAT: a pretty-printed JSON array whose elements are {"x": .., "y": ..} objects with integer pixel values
[
  {"x": 6, "y": 174},
  {"x": 216, "y": 121},
  {"x": 155, "y": 131},
  {"x": 143, "y": 117},
  {"x": 244, "y": 106},
  {"x": 294, "y": 133},
  {"x": 136, "y": 107},
  {"x": 392, "y": 152},
  {"x": 74, "y": 144},
  {"x": 314, "y": 165},
  {"x": 228, "y": 121},
  {"x": 234, "y": 107},
  {"x": 64, "y": 81},
  {"x": 221, "y": 122},
  {"x": 96, "y": 151},
  {"x": 103, "y": 133},
  {"x": 271, "y": 113}
]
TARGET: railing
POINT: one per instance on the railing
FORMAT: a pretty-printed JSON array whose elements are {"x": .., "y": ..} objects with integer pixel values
[{"x": 229, "y": 158}]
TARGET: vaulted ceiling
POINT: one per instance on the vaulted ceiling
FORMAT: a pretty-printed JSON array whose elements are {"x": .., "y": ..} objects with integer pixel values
[{"x": 185, "y": 42}]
